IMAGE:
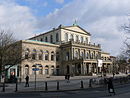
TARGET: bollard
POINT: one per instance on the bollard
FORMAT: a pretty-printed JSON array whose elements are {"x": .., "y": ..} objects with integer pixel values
[
  {"x": 46, "y": 88},
  {"x": 90, "y": 83},
  {"x": 82, "y": 85},
  {"x": 3, "y": 87},
  {"x": 16, "y": 89},
  {"x": 57, "y": 85},
  {"x": 120, "y": 80}
]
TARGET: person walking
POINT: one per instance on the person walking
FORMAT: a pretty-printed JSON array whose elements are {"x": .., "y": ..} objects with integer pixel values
[
  {"x": 68, "y": 77},
  {"x": 110, "y": 86},
  {"x": 27, "y": 81}
]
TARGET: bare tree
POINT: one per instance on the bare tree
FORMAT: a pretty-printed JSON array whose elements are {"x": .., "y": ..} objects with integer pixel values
[
  {"x": 126, "y": 49},
  {"x": 10, "y": 51},
  {"x": 122, "y": 63}
]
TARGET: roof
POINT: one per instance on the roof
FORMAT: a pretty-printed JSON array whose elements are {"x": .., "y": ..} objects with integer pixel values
[
  {"x": 39, "y": 42},
  {"x": 71, "y": 28}
]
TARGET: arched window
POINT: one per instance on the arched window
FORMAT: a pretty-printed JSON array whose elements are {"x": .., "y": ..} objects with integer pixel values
[
  {"x": 52, "y": 70},
  {"x": 46, "y": 69},
  {"x": 33, "y": 72},
  {"x": 81, "y": 39},
  {"x": 34, "y": 54},
  {"x": 27, "y": 51},
  {"x": 26, "y": 70},
  {"x": 46, "y": 55},
  {"x": 51, "y": 38},
  {"x": 77, "y": 38},
  {"x": 57, "y": 37},
  {"x": 46, "y": 39},
  {"x": 71, "y": 37},
  {"x": 40, "y": 69},
  {"x": 66, "y": 37},
  {"x": 52, "y": 56},
  {"x": 41, "y": 55}
]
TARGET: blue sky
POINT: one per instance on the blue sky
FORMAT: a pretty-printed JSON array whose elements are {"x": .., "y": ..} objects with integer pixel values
[
  {"x": 43, "y": 7},
  {"x": 102, "y": 18}
]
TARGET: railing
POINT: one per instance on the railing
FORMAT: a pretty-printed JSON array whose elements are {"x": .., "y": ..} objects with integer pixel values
[{"x": 81, "y": 43}]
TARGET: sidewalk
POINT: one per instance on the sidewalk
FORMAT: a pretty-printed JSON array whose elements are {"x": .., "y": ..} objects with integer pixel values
[
  {"x": 125, "y": 95},
  {"x": 75, "y": 83}
]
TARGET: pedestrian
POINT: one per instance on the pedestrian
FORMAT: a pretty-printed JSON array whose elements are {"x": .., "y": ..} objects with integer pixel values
[
  {"x": 68, "y": 77},
  {"x": 110, "y": 86},
  {"x": 27, "y": 81},
  {"x": 65, "y": 76},
  {"x": 113, "y": 74}
]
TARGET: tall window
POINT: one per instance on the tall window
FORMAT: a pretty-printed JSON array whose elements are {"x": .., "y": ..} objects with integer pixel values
[
  {"x": 66, "y": 37},
  {"x": 41, "y": 39},
  {"x": 57, "y": 56},
  {"x": 34, "y": 54},
  {"x": 46, "y": 55},
  {"x": 46, "y": 39},
  {"x": 57, "y": 37},
  {"x": 52, "y": 56},
  {"x": 52, "y": 70},
  {"x": 67, "y": 56},
  {"x": 86, "y": 40},
  {"x": 40, "y": 69},
  {"x": 76, "y": 54},
  {"x": 82, "y": 54},
  {"x": 77, "y": 38},
  {"x": 51, "y": 38},
  {"x": 26, "y": 70},
  {"x": 87, "y": 55},
  {"x": 81, "y": 39},
  {"x": 40, "y": 55},
  {"x": 71, "y": 36},
  {"x": 46, "y": 69},
  {"x": 27, "y": 53}
]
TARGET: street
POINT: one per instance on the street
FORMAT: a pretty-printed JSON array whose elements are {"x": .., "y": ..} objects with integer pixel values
[{"x": 122, "y": 91}]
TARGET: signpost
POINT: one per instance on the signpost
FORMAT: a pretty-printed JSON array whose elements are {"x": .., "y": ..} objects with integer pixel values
[
  {"x": 100, "y": 64},
  {"x": 35, "y": 69}
]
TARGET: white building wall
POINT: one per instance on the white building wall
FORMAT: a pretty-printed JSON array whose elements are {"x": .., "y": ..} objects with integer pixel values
[{"x": 63, "y": 32}]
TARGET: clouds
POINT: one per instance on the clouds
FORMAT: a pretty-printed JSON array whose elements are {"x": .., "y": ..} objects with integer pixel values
[
  {"x": 102, "y": 18},
  {"x": 60, "y": 1},
  {"x": 18, "y": 19}
]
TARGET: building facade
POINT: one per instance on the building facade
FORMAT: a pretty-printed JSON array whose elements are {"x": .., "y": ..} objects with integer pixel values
[{"x": 63, "y": 50}]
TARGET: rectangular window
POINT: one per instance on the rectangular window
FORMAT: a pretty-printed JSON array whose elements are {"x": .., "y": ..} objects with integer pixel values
[
  {"x": 51, "y": 38},
  {"x": 46, "y": 39},
  {"x": 34, "y": 56},
  {"x": 81, "y": 39},
  {"x": 46, "y": 57},
  {"x": 40, "y": 56}
]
